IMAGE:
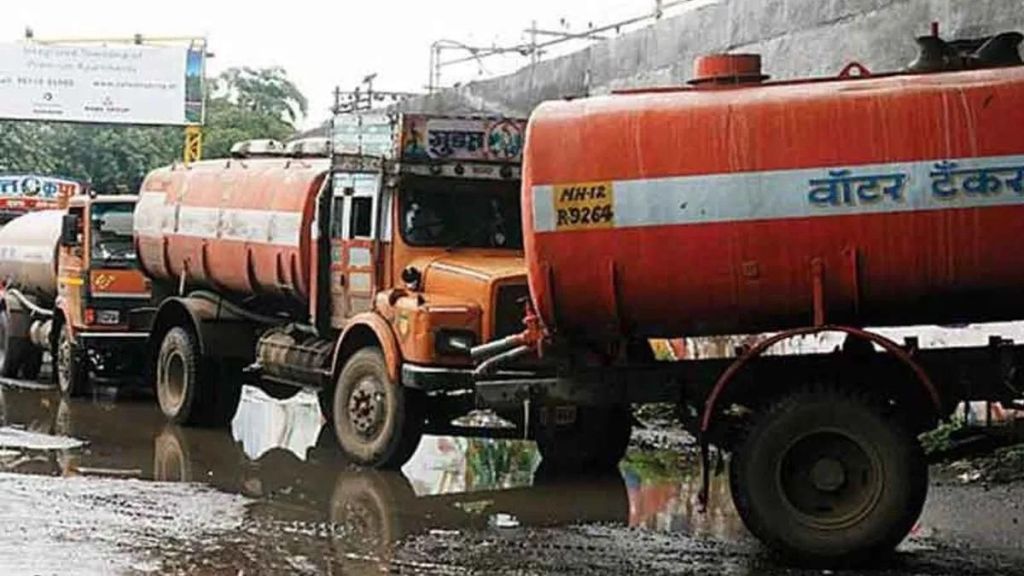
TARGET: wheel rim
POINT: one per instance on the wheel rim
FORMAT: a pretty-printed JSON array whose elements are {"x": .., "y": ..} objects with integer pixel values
[
  {"x": 367, "y": 407},
  {"x": 64, "y": 368},
  {"x": 830, "y": 480},
  {"x": 173, "y": 383}
]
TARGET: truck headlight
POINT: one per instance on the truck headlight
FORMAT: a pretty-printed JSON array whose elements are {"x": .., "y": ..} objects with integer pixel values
[
  {"x": 108, "y": 317},
  {"x": 454, "y": 342}
]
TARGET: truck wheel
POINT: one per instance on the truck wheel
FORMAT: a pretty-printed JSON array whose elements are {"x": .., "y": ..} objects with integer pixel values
[
  {"x": 378, "y": 422},
  {"x": 825, "y": 477},
  {"x": 11, "y": 348},
  {"x": 72, "y": 376},
  {"x": 32, "y": 364},
  {"x": 595, "y": 442},
  {"x": 368, "y": 507},
  {"x": 181, "y": 388}
]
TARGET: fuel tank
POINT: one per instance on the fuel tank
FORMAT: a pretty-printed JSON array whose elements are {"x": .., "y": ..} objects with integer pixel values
[
  {"x": 874, "y": 201},
  {"x": 28, "y": 254},
  {"x": 240, "y": 226}
]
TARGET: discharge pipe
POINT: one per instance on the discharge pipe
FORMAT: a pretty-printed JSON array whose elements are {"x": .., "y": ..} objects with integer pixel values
[
  {"x": 496, "y": 347},
  {"x": 491, "y": 365},
  {"x": 29, "y": 304}
]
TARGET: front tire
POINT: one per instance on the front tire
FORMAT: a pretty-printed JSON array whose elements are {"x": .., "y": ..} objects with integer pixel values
[
  {"x": 378, "y": 422},
  {"x": 826, "y": 478},
  {"x": 72, "y": 375}
]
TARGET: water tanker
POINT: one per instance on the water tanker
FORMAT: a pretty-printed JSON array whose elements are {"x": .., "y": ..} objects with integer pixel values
[
  {"x": 763, "y": 213},
  {"x": 70, "y": 286},
  {"x": 367, "y": 275},
  {"x": 869, "y": 202},
  {"x": 28, "y": 254}
]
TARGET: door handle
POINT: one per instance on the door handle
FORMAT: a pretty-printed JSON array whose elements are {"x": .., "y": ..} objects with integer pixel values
[{"x": 341, "y": 280}]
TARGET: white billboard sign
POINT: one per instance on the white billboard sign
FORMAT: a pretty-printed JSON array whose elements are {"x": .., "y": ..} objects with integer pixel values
[{"x": 106, "y": 84}]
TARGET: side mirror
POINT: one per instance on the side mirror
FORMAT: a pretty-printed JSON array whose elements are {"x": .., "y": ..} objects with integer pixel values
[{"x": 69, "y": 231}]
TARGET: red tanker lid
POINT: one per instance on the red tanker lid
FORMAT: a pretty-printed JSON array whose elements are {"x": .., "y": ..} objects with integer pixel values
[{"x": 727, "y": 69}]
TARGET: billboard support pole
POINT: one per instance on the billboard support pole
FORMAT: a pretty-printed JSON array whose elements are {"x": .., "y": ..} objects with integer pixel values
[{"x": 193, "y": 144}]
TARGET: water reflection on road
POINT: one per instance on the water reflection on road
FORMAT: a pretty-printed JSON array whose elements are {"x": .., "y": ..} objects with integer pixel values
[
  {"x": 271, "y": 494},
  {"x": 282, "y": 456}
]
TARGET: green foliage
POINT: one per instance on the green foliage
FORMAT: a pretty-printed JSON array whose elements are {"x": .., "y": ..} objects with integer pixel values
[
  {"x": 941, "y": 438},
  {"x": 246, "y": 104}
]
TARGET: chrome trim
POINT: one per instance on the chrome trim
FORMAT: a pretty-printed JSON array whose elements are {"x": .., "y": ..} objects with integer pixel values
[
  {"x": 130, "y": 295},
  {"x": 139, "y": 335},
  {"x": 460, "y": 270}
]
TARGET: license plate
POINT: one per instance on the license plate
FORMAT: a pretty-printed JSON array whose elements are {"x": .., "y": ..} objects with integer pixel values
[{"x": 108, "y": 317}]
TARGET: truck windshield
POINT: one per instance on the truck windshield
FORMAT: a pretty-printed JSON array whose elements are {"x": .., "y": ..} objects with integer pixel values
[
  {"x": 111, "y": 233},
  {"x": 469, "y": 214}
]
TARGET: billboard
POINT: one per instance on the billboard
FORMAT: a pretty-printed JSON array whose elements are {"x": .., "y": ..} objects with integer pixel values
[
  {"x": 159, "y": 85},
  {"x": 20, "y": 193}
]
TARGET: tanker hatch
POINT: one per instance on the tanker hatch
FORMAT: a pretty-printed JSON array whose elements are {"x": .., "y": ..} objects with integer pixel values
[{"x": 718, "y": 70}]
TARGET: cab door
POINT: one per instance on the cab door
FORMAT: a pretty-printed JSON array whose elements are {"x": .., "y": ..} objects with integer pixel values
[
  {"x": 71, "y": 271},
  {"x": 354, "y": 246}
]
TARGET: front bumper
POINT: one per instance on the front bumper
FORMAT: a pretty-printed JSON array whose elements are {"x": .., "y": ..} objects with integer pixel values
[{"x": 436, "y": 378}]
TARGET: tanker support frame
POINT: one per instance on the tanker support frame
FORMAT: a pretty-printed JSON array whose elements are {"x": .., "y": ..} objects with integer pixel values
[{"x": 836, "y": 430}]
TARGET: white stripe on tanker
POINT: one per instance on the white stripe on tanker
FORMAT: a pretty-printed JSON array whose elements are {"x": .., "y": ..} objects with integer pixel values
[
  {"x": 154, "y": 217},
  {"x": 781, "y": 194}
]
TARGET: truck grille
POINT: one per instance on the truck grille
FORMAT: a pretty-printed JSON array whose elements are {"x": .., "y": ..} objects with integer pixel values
[{"x": 508, "y": 310}]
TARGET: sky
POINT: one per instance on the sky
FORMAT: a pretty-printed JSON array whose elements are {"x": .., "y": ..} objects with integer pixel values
[{"x": 324, "y": 44}]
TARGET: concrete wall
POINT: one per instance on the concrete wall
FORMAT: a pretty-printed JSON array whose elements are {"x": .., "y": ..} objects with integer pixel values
[{"x": 797, "y": 38}]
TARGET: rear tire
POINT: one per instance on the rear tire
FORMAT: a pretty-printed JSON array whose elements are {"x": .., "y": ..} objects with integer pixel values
[
  {"x": 12, "y": 349},
  {"x": 595, "y": 442},
  {"x": 185, "y": 390},
  {"x": 70, "y": 368},
  {"x": 378, "y": 422},
  {"x": 825, "y": 478}
]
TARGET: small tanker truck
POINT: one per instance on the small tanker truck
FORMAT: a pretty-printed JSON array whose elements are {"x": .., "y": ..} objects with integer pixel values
[
  {"x": 70, "y": 285},
  {"x": 779, "y": 211},
  {"x": 366, "y": 275}
]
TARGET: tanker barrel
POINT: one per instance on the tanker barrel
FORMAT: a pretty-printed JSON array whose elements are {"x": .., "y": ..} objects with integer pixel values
[{"x": 484, "y": 351}]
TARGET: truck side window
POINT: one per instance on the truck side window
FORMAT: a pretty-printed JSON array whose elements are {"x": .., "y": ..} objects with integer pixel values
[
  {"x": 361, "y": 223},
  {"x": 337, "y": 217}
]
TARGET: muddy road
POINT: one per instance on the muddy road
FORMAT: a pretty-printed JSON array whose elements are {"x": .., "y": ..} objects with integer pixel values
[{"x": 98, "y": 486}]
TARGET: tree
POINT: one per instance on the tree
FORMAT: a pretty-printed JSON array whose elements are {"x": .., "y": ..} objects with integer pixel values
[{"x": 266, "y": 91}]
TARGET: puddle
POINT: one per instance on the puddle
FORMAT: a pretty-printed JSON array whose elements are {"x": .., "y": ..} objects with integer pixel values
[
  {"x": 292, "y": 504},
  {"x": 28, "y": 440}
]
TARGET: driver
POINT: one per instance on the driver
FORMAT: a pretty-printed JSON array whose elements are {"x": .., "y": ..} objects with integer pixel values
[{"x": 422, "y": 224}]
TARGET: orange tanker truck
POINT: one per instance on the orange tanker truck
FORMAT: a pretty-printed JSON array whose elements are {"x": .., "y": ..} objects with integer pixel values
[
  {"x": 738, "y": 206},
  {"x": 367, "y": 275},
  {"x": 70, "y": 285}
]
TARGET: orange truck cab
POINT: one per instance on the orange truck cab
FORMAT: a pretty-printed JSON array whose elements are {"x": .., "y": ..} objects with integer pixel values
[
  {"x": 367, "y": 275},
  {"x": 71, "y": 286}
]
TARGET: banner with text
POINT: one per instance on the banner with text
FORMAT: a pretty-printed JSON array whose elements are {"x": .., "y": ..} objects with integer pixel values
[{"x": 104, "y": 84}]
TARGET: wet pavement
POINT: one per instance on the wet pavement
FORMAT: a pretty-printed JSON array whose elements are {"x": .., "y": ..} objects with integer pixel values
[{"x": 94, "y": 486}]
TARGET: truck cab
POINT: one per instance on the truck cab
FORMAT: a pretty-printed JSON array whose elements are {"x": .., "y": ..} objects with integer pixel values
[
  {"x": 421, "y": 248},
  {"x": 103, "y": 304}
]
